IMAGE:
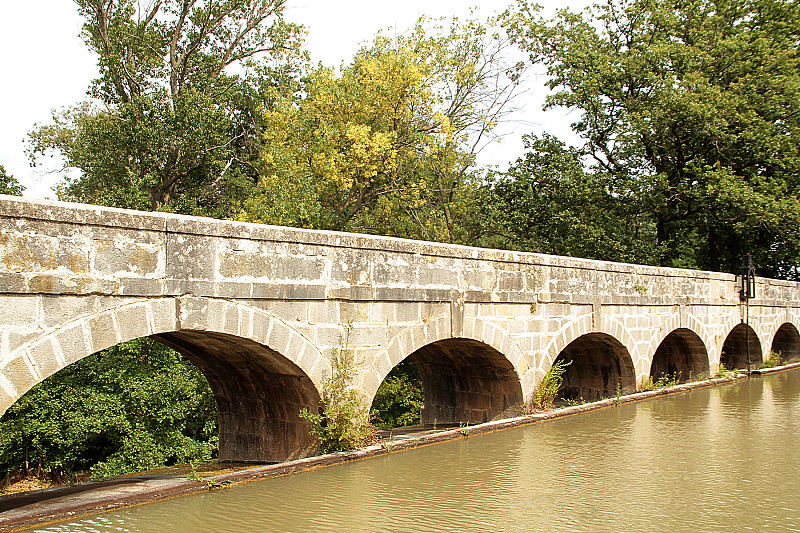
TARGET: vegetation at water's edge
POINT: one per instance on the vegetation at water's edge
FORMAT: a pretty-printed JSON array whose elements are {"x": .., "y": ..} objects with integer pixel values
[
  {"x": 547, "y": 389},
  {"x": 343, "y": 420}
]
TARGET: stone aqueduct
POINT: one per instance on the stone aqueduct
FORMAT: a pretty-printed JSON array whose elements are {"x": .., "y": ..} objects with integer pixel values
[{"x": 261, "y": 310}]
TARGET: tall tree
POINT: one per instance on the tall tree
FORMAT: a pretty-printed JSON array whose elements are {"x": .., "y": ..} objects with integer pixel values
[
  {"x": 171, "y": 125},
  {"x": 689, "y": 108},
  {"x": 388, "y": 146}
]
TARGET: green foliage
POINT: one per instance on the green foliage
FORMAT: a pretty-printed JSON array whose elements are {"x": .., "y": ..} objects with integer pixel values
[
  {"x": 399, "y": 398},
  {"x": 687, "y": 116},
  {"x": 664, "y": 381},
  {"x": 547, "y": 389},
  {"x": 172, "y": 129},
  {"x": 772, "y": 360},
  {"x": 547, "y": 202},
  {"x": 343, "y": 422},
  {"x": 388, "y": 145},
  {"x": 133, "y": 407},
  {"x": 8, "y": 184}
]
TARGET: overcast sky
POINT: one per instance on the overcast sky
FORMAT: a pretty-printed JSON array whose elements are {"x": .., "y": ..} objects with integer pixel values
[{"x": 46, "y": 66}]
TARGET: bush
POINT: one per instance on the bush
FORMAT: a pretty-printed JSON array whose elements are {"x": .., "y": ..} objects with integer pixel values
[
  {"x": 547, "y": 390},
  {"x": 136, "y": 406},
  {"x": 399, "y": 398},
  {"x": 343, "y": 421}
]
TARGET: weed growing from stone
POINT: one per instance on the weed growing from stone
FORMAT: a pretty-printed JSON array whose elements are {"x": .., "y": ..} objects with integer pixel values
[
  {"x": 343, "y": 421},
  {"x": 772, "y": 360},
  {"x": 547, "y": 390}
]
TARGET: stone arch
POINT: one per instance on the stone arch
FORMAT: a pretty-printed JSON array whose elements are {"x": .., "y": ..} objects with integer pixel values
[
  {"x": 693, "y": 327},
  {"x": 465, "y": 379},
  {"x": 581, "y": 326},
  {"x": 599, "y": 366},
  {"x": 680, "y": 356},
  {"x": 734, "y": 351},
  {"x": 261, "y": 370},
  {"x": 787, "y": 341}
]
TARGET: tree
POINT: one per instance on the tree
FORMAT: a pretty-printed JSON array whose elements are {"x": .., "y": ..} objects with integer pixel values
[
  {"x": 133, "y": 407},
  {"x": 688, "y": 107},
  {"x": 170, "y": 125},
  {"x": 388, "y": 146},
  {"x": 8, "y": 184},
  {"x": 548, "y": 202}
]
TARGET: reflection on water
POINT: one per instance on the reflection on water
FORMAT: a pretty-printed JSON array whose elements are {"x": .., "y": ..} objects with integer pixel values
[{"x": 719, "y": 459}]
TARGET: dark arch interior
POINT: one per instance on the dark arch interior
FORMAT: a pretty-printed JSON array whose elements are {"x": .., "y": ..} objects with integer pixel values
[
  {"x": 465, "y": 382},
  {"x": 597, "y": 364},
  {"x": 681, "y": 356},
  {"x": 259, "y": 396},
  {"x": 735, "y": 349},
  {"x": 787, "y": 343}
]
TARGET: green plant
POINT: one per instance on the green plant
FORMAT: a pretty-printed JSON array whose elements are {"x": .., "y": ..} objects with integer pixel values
[
  {"x": 388, "y": 444},
  {"x": 547, "y": 390},
  {"x": 773, "y": 359},
  {"x": 641, "y": 289},
  {"x": 574, "y": 402},
  {"x": 464, "y": 429},
  {"x": 663, "y": 381},
  {"x": 343, "y": 421},
  {"x": 722, "y": 371},
  {"x": 619, "y": 394},
  {"x": 399, "y": 398}
]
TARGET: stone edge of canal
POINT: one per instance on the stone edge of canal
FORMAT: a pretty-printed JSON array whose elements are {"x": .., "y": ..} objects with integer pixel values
[{"x": 95, "y": 497}]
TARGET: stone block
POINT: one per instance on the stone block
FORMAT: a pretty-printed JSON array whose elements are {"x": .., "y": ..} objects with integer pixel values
[
  {"x": 142, "y": 287},
  {"x": 325, "y": 312},
  {"x": 354, "y": 312},
  {"x": 190, "y": 257},
  {"x": 299, "y": 268},
  {"x": 407, "y": 312},
  {"x": 182, "y": 287},
  {"x": 290, "y": 310},
  {"x": 382, "y": 313},
  {"x": 19, "y": 310},
  {"x": 72, "y": 342},
  {"x": 115, "y": 257},
  {"x": 17, "y": 372},
  {"x": 367, "y": 336},
  {"x": 232, "y": 289},
  {"x": 103, "y": 332},
  {"x": 44, "y": 358},
  {"x": 133, "y": 322},
  {"x": 164, "y": 315},
  {"x": 279, "y": 337},
  {"x": 12, "y": 282}
]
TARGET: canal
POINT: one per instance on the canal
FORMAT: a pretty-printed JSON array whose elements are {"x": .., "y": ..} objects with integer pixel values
[{"x": 715, "y": 459}]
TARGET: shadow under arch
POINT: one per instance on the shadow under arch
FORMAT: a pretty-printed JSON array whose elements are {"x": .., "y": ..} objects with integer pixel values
[
  {"x": 741, "y": 343},
  {"x": 787, "y": 342},
  {"x": 682, "y": 355},
  {"x": 598, "y": 363},
  {"x": 261, "y": 371},
  {"x": 259, "y": 395},
  {"x": 465, "y": 381}
]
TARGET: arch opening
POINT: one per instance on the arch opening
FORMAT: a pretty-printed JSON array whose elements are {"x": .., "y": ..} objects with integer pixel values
[
  {"x": 598, "y": 363},
  {"x": 681, "y": 357},
  {"x": 464, "y": 382},
  {"x": 787, "y": 343},
  {"x": 259, "y": 395},
  {"x": 741, "y": 341}
]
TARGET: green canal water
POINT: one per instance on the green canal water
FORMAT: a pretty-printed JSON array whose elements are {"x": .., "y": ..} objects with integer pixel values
[{"x": 717, "y": 459}]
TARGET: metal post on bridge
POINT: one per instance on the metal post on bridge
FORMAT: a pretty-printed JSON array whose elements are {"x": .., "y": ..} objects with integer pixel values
[{"x": 747, "y": 291}]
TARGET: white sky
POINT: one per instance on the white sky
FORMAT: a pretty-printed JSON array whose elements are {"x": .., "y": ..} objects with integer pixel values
[{"x": 45, "y": 65}]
